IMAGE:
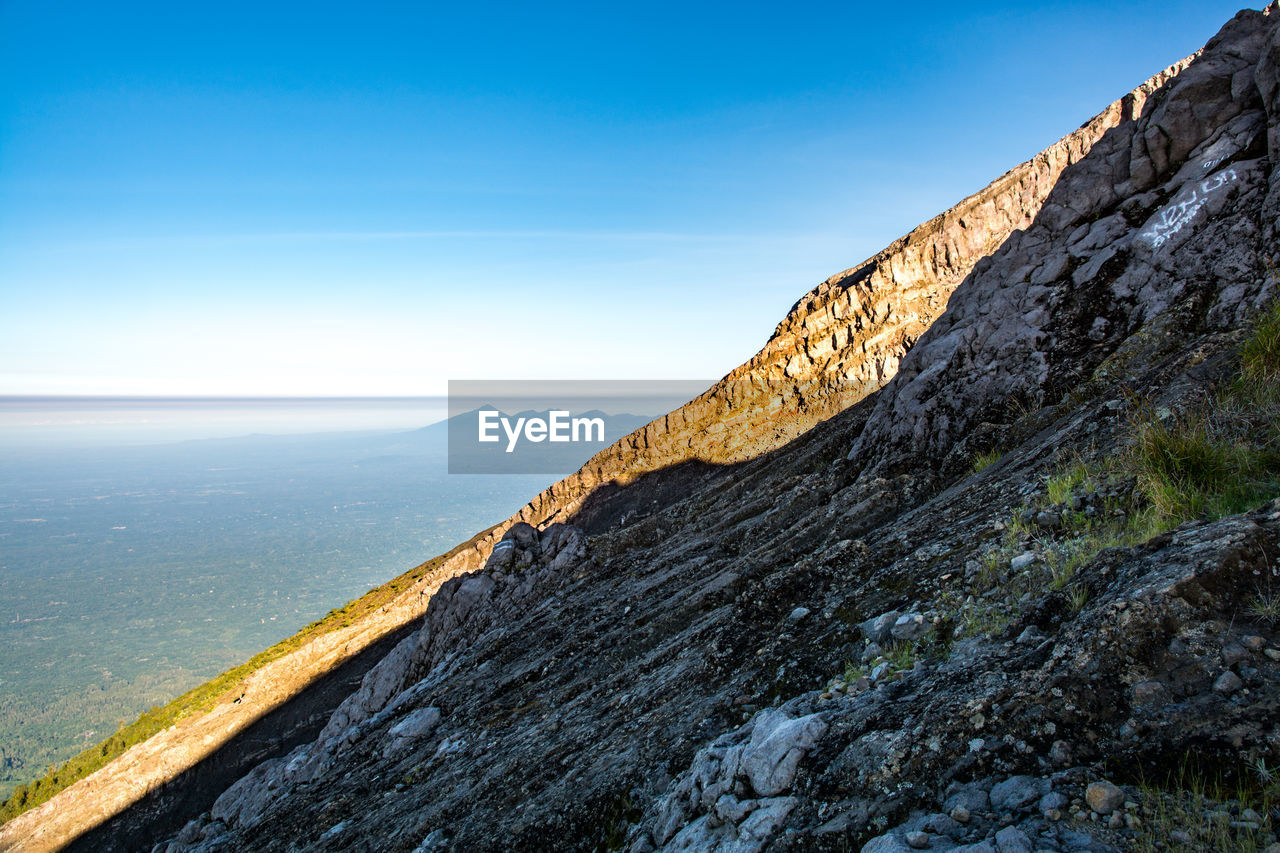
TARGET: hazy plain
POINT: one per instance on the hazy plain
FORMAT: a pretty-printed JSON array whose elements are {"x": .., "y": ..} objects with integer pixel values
[{"x": 146, "y": 546}]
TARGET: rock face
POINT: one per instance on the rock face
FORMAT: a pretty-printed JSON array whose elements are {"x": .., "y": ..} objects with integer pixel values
[
  {"x": 845, "y": 338},
  {"x": 1178, "y": 198},
  {"x": 825, "y": 645}
]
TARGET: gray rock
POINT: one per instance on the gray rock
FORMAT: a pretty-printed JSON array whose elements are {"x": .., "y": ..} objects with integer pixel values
[
  {"x": 764, "y": 820},
  {"x": 972, "y": 798},
  {"x": 1146, "y": 693},
  {"x": 908, "y": 626},
  {"x": 419, "y": 724},
  {"x": 1023, "y": 560},
  {"x": 878, "y": 630},
  {"x": 941, "y": 824},
  {"x": 1048, "y": 519},
  {"x": 977, "y": 847},
  {"x": 1234, "y": 653},
  {"x": 1016, "y": 792},
  {"x": 1013, "y": 840},
  {"x": 1103, "y": 797},
  {"x": 1227, "y": 683},
  {"x": 1060, "y": 753},
  {"x": 702, "y": 835},
  {"x": 777, "y": 744},
  {"x": 888, "y": 843},
  {"x": 1052, "y": 801},
  {"x": 1030, "y": 636},
  {"x": 730, "y": 809}
]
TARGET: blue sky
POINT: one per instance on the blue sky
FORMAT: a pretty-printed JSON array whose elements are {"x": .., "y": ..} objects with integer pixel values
[{"x": 371, "y": 199}]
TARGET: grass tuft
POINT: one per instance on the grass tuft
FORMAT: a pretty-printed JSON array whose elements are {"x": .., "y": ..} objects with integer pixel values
[
  {"x": 1260, "y": 354},
  {"x": 1265, "y": 607},
  {"x": 983, "y": 461},
  {"x": 1060, "y": 486},
  {"x": 1187, "y": 814}
]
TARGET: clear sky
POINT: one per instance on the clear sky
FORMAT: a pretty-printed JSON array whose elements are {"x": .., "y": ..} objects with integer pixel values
[{"x": 370, "y": 199}]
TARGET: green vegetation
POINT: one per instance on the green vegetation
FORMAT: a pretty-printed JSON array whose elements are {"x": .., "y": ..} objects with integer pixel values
[
  {"x": 1077, "y": 597},
  {"x": 982, "y": 618},
  {"x": 1219, "y": 457},
  {"x": 205, "y": 696},
  {"x": 1223, "y": 456},
  {"x": 37, "y": 729},
  {"x": 1077, "y": 475},
  {"x": 1188, "y": 466},
  {"x": 1188, "y": 814},
  {"x": 901, "y": 654},
  {"x": 983, "y": 461},
  {"x": 852, "y": 672},
  {"x": 1265, "y": 607},
  {"x": 1260, "y": 354},
  {"x": 614, "y": 822}
]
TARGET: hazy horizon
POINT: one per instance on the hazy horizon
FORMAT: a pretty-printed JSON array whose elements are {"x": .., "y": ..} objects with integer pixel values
[{"x": 34, "y": 422}]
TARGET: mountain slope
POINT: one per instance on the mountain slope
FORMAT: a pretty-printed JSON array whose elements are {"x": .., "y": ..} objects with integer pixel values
[{"x": 695, "y": 679}]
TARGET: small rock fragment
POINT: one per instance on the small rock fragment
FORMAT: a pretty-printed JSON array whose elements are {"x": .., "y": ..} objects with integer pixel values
[
  {"x": 1233, "y": 653},
  {"x": 1015, "y": 792},
  {"x": 1013, "y": 840},
  {"x": 908, "y": 626},
  {"x": 1022, "y": 561},
  {"x": 1060, "y": 753},
  {"x": 1048, "y": 519},
  {"x": 918, "y": 840},
  {"x": 1227, "y": 683},
  {"x": 1103, "y": 797},
  {"x": 1149, "y": 693},
  {"x": 1052, "y": 802}
]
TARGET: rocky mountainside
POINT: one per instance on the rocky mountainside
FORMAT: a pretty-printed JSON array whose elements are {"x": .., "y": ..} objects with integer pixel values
[
  {"x": 839, "y": 343},
  {"x": 845, "y": 338},
  {"x": 979, "y": 553}
]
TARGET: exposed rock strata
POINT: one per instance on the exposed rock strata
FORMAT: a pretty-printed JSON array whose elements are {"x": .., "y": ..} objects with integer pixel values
[
  {"x": 1163, "y": 206},
  {"x": 845, "y": 338}
]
